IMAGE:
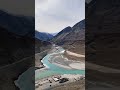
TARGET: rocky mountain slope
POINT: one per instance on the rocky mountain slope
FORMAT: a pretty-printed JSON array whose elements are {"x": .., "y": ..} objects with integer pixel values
[
  {"x": 72, "y": 38},
  {"x": 61, "y": 35},
  {"x": 102, "y": 42},
  {"x": 16, "y": 48},
  {"x": 41, "y": 49},
  {"x": 77, "y": 32},
  {"x": 21, "y": 25}
]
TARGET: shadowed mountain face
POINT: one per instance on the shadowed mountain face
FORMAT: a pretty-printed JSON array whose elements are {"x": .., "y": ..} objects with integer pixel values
[
  {"x": 16, "y": 37},
  {"x": 103, "y": 31},
  {"x": 14, "y": 52},
  {"x": 72, "y": 38},
  {"x": 43, "y": 36},
  {"x": 102, "y": 41},
  {"x": 21, "y": 25},
  {"x": 16, "y": 49},
  {"x": 41, "y": 45}
]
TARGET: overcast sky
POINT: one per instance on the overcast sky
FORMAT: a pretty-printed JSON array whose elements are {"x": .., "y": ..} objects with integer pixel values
[{"x": 54, "y": 15}]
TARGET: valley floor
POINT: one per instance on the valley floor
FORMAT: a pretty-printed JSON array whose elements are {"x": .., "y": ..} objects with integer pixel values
[{"x": 61, "y": 60}]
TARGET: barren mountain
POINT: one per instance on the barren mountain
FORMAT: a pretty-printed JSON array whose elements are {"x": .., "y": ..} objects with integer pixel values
[
  {"x": 102, "y": 42},
  {"x": 72, "y": 38},
  {"x": 21, "y": 25},
  {"x": 16, "y": 48}
]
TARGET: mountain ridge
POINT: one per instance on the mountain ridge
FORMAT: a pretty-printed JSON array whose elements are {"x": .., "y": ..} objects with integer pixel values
[
  {"x": 72, "y": 39},
  {"x": 77, "y": 32}
]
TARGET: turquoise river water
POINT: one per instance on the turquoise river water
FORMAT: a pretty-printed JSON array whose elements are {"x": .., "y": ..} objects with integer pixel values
[{"x": 54, "y": 69}]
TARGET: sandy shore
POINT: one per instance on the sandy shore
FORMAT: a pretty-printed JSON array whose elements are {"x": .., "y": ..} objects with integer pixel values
[
  {"x": 74, "y": 54},
  {"x": 64, "y": 62},
  {"x": 61, "y": 61},
  {"x": 80, "y": 66},
  {"x": 72, "y": 65}
]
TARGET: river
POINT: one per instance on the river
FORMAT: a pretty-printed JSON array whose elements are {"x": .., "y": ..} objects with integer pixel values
[
  {"x": 26, "y": 80},
  {"x": 55, "y": 69}
]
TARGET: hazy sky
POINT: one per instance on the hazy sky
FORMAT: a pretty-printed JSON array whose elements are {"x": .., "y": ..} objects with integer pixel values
[{"x": 54, "y": 15}]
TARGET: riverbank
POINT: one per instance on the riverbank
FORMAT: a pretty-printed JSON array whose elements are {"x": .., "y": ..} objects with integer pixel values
[
  {"x": 57, "y": 66},
  {"x": 39, "y": 57},
  {"x": 71, "y": 65},
  {"x": 77, "y": 85},
  {"x": 54, "y": 81},
  {"x": 55, "y": 63},
  {"x": 65, "y": 62},
  {"x": 74, "y": 56}
]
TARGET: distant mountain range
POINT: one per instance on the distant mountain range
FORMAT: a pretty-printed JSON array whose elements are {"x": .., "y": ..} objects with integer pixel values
[
  {"x": 54, "y": 34},
  {"x": 43, "y": 36},
  {"x": 75, "y": 33},
  {"x": 71, "y": 38}
]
